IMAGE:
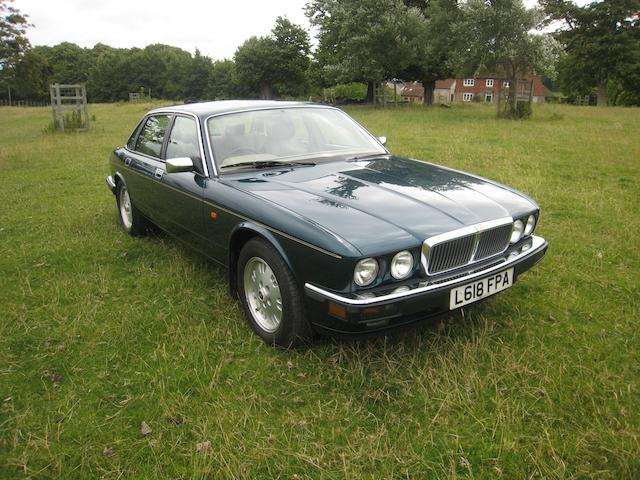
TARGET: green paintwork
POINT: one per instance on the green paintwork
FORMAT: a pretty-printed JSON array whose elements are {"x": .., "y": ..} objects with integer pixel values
[{"x": 322, "y": 218}]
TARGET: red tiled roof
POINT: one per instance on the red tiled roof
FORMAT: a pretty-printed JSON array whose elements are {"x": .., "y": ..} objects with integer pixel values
[
  {"x": 445, "y": 83},
  {"x": 413, "y": 89}
]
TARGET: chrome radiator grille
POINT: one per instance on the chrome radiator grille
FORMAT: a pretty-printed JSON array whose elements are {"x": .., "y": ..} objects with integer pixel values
[
  {"x": 492, "y": 242},
  {"x": 465, "y": 246}
]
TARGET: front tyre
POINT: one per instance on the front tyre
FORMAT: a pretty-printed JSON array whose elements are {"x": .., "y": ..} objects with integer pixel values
[
  {"x": 270, "y": 297},
  {"x": 130, "y": 218}
]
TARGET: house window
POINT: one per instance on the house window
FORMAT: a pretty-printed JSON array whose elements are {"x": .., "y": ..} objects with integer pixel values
[
  {"x": 505, "y": 84},
  {"x": 488, "y": 98},
  {"x": 469, "y": 82},
  {"x": 489, "y": 82},
  {"x": 467, "y": 97}
]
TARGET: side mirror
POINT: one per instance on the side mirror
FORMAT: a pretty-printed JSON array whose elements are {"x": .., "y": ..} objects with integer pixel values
[
  {"x": 382, "y": 140},
  {"x": 181, "y": 164}
]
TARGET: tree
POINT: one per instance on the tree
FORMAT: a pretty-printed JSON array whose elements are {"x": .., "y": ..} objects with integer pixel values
[
  {"x": 13, "y": 42},
  {"x": 198, "y": 77},
  {"x": 293, "y": 50},
  {"x": 363, "y": 41},
  {"x": 223, "y": 84},
  {"x": 495, "y": 36},
  {"x": 602, "y": 44},
  {"x": 69, "y": 62},
  {"x": 33, "y": 71},
  {"x": 432, "y": 22},
  {"x": 274, "y": 64}
]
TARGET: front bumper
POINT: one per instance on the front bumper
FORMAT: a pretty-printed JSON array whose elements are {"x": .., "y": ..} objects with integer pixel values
[
  {"x": 387, "y": 308},
  {"x": 111, "y": 184}
]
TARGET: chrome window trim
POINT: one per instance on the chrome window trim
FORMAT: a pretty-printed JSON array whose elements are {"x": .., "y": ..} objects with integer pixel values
[
  {"x": 475, "y": 229},
  {"x": 537, "y": 243},
  {"x": 138, "y": 132},
  {"x": 175, "y": 113},
  {"x": 271, "y": 107}
]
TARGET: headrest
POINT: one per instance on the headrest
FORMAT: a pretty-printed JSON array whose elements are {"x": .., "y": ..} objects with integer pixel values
[{"x": 237, "y": 129}]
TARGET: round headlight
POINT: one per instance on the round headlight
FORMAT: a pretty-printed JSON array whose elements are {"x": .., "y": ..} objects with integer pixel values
[
  {"x": 401, "y": 265},
  {"x": 516, "y": 231},
  {"x": 531, "y": 224},
  {"x": 366, "y": 272}
]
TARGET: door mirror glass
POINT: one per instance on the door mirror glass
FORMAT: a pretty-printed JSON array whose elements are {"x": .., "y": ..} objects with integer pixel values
[
  {"x": 180, "y": 164},
  {"x": 382, "y": 140}
]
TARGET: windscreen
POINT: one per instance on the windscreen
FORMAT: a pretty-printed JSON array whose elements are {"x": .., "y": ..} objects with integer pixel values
[{"x": 287, "y": 134}]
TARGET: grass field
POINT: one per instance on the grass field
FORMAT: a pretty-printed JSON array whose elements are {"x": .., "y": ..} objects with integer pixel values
[{"x": 100, "y": 332}]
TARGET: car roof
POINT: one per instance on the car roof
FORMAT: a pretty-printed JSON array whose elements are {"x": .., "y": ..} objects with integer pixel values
[{"x": 205, "y": 109}]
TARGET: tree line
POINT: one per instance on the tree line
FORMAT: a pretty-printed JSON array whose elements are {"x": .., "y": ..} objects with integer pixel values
[{"x": 594, "y": 50}]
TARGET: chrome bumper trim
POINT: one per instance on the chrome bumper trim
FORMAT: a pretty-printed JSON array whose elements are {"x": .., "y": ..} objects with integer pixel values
[
  {"x": 111, "y": 184},
  {"x": 537, "y": 244}
]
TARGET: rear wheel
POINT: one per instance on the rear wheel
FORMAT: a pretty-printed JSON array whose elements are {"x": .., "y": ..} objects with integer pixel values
[
  {"x": 270, "y": 296},
  {"x": 130, "y": 218}
]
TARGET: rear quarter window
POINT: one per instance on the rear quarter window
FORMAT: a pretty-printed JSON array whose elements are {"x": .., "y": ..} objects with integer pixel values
[{"x": 151, "y": 136}]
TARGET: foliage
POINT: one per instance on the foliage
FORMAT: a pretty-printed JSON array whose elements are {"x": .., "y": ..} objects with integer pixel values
[
  {"x": 13, "y": 27},
  {"x": 350, "y": 92},
  {"x": 222, "y": 81},
  {"x": 198, "y": 77},
  {"x": 522, "y": 110},
  {"x": 432, "y": 22},
  {"x": 13, "y": 42},
  {"x": 495, "y": 36},
  {"x": 276, "y": 64},
  {"x": 33, "y": 71},
  {"x": 365, "y": 41},
  {"x": 101, "y": 332},
  {"x": 602, "y": 43}
]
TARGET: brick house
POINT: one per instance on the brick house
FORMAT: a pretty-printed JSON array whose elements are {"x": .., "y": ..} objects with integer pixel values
[{"x": 486, "y": 89}]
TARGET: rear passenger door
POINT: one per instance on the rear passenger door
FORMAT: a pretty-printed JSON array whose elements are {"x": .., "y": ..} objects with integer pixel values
[
  {"x": 179, "y": 199},
  {"x": 144, "y": 162}
]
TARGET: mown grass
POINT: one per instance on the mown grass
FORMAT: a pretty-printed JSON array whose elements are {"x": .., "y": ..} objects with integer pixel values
[{"x": 100, "y": 332}]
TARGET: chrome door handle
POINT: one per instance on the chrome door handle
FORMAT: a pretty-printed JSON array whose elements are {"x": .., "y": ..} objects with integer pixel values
[
  {"x": 159, "y": 173},
  {"x": 127, "y": 161}
]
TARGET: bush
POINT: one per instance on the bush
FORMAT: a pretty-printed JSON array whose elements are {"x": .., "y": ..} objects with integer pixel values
[
  {"x": 522, "y": 110},
  {"x": 350, "y": 92}
]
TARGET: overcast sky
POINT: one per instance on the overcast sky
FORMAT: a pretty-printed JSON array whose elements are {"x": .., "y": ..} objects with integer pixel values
[{"x": 216, "y": 27}]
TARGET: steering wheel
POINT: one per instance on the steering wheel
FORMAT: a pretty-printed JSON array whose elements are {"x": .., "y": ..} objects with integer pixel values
[{"x": 241, "y": 151}]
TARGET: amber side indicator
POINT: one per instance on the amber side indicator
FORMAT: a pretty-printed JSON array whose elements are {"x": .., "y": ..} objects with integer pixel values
[
  {"x": 214, "y": 215},
  {"x": 370, "y": 312},
  {"x": 338, "y": 311}
]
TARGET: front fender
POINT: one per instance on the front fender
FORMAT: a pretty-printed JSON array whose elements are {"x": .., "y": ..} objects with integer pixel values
[
  {"x": 248, "y": 230},
  {"x": 242, "y": 233}
]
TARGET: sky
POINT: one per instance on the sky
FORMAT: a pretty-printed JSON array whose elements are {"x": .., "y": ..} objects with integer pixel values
[{"x": 215, "y": 27}]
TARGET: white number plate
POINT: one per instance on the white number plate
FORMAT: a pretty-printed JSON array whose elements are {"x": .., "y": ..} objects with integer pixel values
[{"x": 472, "y": 292}]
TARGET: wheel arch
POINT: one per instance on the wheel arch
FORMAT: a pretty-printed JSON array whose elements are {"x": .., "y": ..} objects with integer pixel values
[
  {"x": 118, "y": 178},
  {"x": 240, "y": 235}
]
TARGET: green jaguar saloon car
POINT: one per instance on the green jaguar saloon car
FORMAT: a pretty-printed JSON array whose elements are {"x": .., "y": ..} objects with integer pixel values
[{"x": 321, "y": 228}]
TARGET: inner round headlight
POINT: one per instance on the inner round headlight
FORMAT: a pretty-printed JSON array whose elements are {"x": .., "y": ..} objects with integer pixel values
[
  {"x": 366, "y": 272},
  {"x": 516, "y": 231},
  {"x": 401, "y": 265},
  {"x": 531, "y": 224}
]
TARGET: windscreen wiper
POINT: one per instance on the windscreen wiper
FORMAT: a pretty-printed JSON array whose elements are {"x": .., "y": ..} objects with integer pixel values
[
  {"x": 269, "y": 163},
  {"x": 366, "y": 156}
]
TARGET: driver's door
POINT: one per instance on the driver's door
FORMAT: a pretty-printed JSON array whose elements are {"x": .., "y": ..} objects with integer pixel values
[{"x": 179, "y": 195}]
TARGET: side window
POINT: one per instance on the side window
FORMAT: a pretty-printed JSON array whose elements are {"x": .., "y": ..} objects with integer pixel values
[
  {"x": 152, "y": 135},
  {"x": 183, "y": 140},
  {"x": 131, "y": 143}
]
